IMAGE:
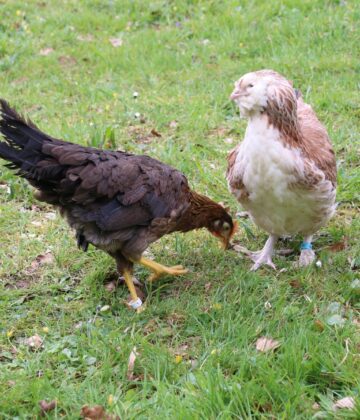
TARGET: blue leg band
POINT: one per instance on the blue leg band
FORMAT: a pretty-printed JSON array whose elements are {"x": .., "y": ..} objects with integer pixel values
[{"x": 305, "y": 245}]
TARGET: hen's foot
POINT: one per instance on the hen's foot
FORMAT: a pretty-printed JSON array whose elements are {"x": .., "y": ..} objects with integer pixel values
[
  {"x": 307, "y": 256},
  {"x": 176, "y": 270},
  {"x": 161, "y": 270},
  {"x": 261, "y": 258}
]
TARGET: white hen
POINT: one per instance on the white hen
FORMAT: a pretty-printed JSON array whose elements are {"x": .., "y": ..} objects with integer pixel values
[{"x": 284, "y": 172}]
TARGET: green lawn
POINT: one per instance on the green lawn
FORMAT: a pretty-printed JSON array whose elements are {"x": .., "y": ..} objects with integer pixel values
[{"x": 197, "y": 357}]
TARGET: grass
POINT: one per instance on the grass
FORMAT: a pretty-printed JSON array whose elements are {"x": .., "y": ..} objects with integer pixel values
[{"x": 196, "y": 340}]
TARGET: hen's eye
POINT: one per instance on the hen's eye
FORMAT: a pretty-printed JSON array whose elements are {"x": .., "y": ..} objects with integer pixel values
[{"x": 250, "y": 85}]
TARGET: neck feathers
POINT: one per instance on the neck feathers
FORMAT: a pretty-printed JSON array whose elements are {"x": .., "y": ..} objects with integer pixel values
[
  {"x": 201, "y": 212},
  {"x": 281, "y": 111}
]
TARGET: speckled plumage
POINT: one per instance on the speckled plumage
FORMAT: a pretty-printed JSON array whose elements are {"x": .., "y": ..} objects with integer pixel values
[{"x": 284, "y": 172}]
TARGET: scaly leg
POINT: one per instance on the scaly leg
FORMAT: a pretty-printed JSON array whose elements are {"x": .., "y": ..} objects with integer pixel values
[
  {"x": 135, "y": 302},
  {"x": 263, "y": 257},
  {"x": 161, "y": 270},
  {"x": 307, "y": 255}
]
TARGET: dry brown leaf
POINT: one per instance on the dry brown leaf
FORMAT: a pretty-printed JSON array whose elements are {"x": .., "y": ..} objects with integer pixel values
[
  {"x": 347, "y": 402},
  {"x": 20, "y": 80},
  {"x": 97, "y": 412},
  {"x": 42, "y": 259},
  {"x": 208, "y": 286},
  {"x": 67, "y": 60},
  {"x": 315, "y": 406},
  {"x": 265, "y": 344},
  {"x": 319, "y": 325},
  {"x": 34, "y": 342},
  {"x": 85, "y": 38},
  {"x": 46, "y": 406},
  {"x": 131, "y": 364},
  {"x": 46, "y": 51},
  {"x": 295, "y": 284},
  {"x": 339, "y": 246},
  {"x": 116, "y": 42},
  {"x": 155, "y": 133}
]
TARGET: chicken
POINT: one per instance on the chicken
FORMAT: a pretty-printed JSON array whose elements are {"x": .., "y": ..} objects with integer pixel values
[
  {"x": 284, "y": 172},
  {"x": 116, "y": 201}
]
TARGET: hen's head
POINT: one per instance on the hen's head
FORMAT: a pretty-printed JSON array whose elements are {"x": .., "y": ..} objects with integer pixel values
[
  {"x": 223, "y": 227},
  {"x": 256, "y": 91}
]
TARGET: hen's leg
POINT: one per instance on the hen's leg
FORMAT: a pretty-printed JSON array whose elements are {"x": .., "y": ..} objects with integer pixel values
[
  {"x": 161, "y": 270},
  {"x": 263, "y": 257},
  {"x": 125, "y": 268},
  {"x": 307, "y": 255},
  {"x": 135, "y": 302}
]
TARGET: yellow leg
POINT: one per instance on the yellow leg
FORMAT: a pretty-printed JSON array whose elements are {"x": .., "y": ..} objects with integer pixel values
[
  {"x": 135, "y": 302},
  {"x": 161, "y": 270}
]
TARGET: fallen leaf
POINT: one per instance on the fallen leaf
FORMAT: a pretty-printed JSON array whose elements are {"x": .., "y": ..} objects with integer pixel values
[
  {"x": 347, "y": 402},
  {"x": 116, "y": 42},
  {"x": 319, "y": 325},
  {"x": 46, "y": 51},
  {"x": 34, "y": 342},
  {"x": 46, "y": 406},
  {"x": 42, "y": 259},
  {"x": 67, "y": 60},
  {"x": 178, "y": 359},
  {"x": 265, "y": 344},
  {"x": 20, "y": 80},
  {"x": 97, "y": 412},
  {"x": 85, "y": 38},
  {"x": 295, "y": 284},
  {"x": 315, "y": 406},
  {"x": 131, "y": 364},
  {"x": 208, "y": 286},
  {"x": 339, "y": 246},
  {"x": 155, "y": 133},
  {"x": 173, "y": 124},
  {"x": 36, "y": 223}
]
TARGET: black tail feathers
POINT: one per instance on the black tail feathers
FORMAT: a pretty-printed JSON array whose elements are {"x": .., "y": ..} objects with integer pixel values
[{"x": 23, "y": 141}]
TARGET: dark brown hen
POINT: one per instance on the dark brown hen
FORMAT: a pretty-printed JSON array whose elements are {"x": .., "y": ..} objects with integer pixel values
[{"x": 116, "y": 201}]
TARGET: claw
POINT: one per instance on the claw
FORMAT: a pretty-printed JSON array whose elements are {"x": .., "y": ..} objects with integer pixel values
[{"x": 260, "y": 262}]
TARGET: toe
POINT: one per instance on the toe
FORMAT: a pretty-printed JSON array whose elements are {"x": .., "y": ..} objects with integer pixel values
[
  {"x": 271, "y": 264},
  {"x": 153, "y": 277}
]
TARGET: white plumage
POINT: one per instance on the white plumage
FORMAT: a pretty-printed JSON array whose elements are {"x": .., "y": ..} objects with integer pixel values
[{"x": 284, "y": 172}]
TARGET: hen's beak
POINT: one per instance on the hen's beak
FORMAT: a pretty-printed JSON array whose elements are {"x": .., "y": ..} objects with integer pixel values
[
  {"x": 235, "y": 94},
  {"x": 225, "y": 243}
]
